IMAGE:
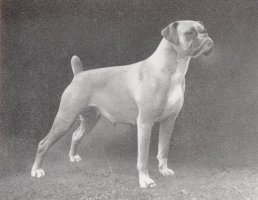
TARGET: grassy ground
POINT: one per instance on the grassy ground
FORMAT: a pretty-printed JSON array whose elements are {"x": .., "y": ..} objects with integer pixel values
[
  {"x": 114, "y": 176},
  {"x": 108, "y": 171}
]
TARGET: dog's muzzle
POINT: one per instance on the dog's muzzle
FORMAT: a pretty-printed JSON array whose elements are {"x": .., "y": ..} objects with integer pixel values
[{"x": 209, "y": 46}]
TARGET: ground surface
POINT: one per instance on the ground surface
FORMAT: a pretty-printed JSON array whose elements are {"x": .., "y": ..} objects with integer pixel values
[
  {"x": 92, "y": 179},
  {"x": 110, "y": 173}
]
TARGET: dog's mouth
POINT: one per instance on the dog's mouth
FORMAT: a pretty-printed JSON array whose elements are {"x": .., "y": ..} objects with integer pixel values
[
  {"x": 209, "y": 47},
  {"x": 205, "y": 48}
]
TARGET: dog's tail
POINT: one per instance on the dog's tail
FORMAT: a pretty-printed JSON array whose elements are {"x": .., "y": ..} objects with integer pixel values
[{"x": 76, "y": 65}]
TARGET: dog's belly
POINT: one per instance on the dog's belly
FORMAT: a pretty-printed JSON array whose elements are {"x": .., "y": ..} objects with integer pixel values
[
  {"x": 117, "y": 108},
  {"x": 174, "y": 102}
]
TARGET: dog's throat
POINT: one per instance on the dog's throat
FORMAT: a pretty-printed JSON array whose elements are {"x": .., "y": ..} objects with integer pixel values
[{"x": 183, "y": 64}]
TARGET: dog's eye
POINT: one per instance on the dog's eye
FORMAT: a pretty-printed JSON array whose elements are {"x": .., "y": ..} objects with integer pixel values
[{"x": 190, "y": 33}]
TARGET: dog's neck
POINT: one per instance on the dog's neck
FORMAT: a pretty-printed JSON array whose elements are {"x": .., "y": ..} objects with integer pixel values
[{"x": 167, "y": 58}]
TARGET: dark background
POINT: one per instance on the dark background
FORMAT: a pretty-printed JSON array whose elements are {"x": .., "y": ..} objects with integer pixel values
[{"x": 219, "y": 119}]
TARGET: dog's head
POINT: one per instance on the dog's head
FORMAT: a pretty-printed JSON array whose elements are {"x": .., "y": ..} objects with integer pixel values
[{"x": 189, "y": 37}]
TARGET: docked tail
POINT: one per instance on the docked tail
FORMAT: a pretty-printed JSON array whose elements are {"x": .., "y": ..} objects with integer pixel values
[{"x": 76, "y": 65}]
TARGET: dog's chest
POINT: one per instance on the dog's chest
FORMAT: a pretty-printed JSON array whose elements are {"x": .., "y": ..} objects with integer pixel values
[
  {"x": 174, "y": 99},
  {"x": 175, "y": 95}
]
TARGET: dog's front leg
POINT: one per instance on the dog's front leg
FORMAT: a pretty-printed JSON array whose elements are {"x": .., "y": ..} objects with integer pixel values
[
  {"x": 165, "y": 132},
  {"x": 144, "y": 133}
]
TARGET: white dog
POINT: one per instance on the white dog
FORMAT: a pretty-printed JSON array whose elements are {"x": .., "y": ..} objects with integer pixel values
[{"x": 146, "y": 92}]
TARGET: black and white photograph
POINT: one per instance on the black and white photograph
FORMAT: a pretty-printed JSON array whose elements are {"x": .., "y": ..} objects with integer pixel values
[{"x": 129, "y": 100}]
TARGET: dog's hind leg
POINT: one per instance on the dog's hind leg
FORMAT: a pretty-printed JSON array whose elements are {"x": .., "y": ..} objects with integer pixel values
[
  {"x": 88, "y": 122},
  {"x": 59, "y": 128},
  {"x": 71, "y": 106}
]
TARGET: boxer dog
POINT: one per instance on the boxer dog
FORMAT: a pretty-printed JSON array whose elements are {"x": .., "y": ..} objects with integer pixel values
[{"x": 142, "y": 93}]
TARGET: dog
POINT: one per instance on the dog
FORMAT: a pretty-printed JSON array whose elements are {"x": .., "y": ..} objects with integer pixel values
[{"x": 142, "y": 93}]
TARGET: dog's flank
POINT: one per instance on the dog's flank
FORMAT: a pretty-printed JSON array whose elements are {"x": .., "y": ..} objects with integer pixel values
[{"x": 145, "y": 92}]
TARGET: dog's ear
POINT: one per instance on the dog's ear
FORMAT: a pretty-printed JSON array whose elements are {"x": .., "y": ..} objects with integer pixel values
[
  {"x": 201, "y": 23},
  {"x": 170, "y": 33}
]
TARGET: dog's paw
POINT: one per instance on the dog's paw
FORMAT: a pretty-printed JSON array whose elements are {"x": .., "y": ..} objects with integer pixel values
[
  {"x": 75, "y": 158},
  {"x": 145, "y": 181},
  {"x": 166, "y": 171},
  {"x": 38, "y": 173}
]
